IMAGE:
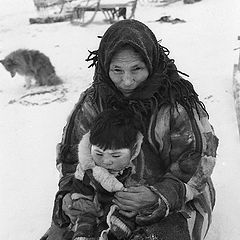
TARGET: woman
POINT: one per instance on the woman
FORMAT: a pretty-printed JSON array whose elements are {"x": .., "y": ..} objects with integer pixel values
[{"x": 179, "y": 148}]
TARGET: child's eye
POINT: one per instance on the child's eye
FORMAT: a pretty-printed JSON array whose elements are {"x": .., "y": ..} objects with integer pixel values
[
  {"x": 116, "y": 156},
  {"x": 99, "y": 154}
]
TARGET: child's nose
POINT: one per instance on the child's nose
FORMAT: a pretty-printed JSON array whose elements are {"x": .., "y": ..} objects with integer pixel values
[{"x": 107, "y": 161}]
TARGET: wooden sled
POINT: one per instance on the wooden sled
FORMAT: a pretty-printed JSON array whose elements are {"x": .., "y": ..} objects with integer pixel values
[
  {"x": 51, "y": 11},
  {"x": 113, "y": 10},
  {"x": 236, "y": 89}
]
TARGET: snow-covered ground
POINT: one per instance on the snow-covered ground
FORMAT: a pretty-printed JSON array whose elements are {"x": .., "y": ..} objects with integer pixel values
[{"x": 202, "y": 47}]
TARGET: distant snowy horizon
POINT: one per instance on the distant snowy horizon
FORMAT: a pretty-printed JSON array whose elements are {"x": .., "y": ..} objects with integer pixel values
[{"x": 202, "y": 47}]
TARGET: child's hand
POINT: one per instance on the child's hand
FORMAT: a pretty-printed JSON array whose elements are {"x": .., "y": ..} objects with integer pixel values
[
  {"x": 75, "y": 205},
  {"x": 67, "y": 207},
  {"x": 67, "y": 202}
]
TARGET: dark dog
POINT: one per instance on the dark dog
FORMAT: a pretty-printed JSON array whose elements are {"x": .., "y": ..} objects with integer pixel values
[{"x": 33, "y": 65}]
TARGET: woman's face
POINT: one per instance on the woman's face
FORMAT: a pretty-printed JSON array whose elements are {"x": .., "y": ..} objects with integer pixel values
[
  {"x": 113, "y": 160},
  {"x": 127, "y": 70}
]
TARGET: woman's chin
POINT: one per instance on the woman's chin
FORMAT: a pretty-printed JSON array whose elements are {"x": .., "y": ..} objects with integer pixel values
[{"x": 126, "y": 93}]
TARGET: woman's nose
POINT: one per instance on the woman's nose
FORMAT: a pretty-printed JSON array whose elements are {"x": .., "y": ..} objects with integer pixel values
[{"x": 127, "y": 79}]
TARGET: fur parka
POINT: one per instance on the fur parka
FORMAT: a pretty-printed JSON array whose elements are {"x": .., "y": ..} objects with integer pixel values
[{"x": 179, "y": 148}]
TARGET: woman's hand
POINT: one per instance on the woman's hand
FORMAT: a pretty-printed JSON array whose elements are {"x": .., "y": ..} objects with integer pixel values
[{"x": 134, "y": 200}]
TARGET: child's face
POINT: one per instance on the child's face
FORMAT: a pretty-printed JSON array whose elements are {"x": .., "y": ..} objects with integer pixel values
[{"x": 113, "y": 160}]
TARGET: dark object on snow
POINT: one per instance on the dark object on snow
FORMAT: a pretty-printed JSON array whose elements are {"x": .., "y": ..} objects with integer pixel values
[
  {"x": 164, "y": 3},
  {"x": 168, "y": 19},
  {"x": 190, "y": 1},
  {"x": 52, "y": 19}
]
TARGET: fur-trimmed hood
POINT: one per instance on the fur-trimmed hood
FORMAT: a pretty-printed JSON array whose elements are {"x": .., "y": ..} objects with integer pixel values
[{"x": 101, "y": 175}]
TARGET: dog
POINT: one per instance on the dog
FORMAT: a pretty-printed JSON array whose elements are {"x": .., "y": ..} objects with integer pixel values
[{"x": 32, "y": 64}]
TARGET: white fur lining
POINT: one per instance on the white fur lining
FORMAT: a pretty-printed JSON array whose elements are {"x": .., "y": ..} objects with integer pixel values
[
  {"x": 105, "y": 232},
  {"x": 106, "y": 179}
]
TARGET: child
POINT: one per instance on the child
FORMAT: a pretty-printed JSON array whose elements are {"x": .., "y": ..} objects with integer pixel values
[{"x": 115, "y": 140}]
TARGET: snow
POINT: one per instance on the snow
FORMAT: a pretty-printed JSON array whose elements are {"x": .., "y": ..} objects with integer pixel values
[{"x": 202, "y": 47}]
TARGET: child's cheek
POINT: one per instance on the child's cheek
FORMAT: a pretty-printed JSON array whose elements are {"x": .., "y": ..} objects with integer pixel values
[{"x": 96, "y": 158}]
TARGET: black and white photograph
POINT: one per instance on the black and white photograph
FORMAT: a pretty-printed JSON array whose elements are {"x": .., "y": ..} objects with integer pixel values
[{"x": 120, "y": 119}]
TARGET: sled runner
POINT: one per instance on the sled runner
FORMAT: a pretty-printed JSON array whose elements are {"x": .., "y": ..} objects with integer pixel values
[
  {"x": 82, "y": 12},
  {"x": 85, "y": 12},
  {"x": 43, "y": 4},
  {"x": 50, "y": 11}
]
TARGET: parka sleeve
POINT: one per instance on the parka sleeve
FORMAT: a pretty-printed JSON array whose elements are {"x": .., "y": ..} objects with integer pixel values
[
  {"x": 77, "y": 125},
  {"x": 187, "y": 146}
]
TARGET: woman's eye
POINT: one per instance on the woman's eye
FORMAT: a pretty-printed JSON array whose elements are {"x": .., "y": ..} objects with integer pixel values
[
  {"x": 99, "y": 154},
  {"x": 117, "y": 71},
  {"x": 137, "y": 69},
  {"x": 116, "y": 156}
]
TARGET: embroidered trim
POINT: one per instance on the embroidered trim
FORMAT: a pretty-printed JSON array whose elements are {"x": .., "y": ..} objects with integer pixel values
[{"x": 161, "y": 198}]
